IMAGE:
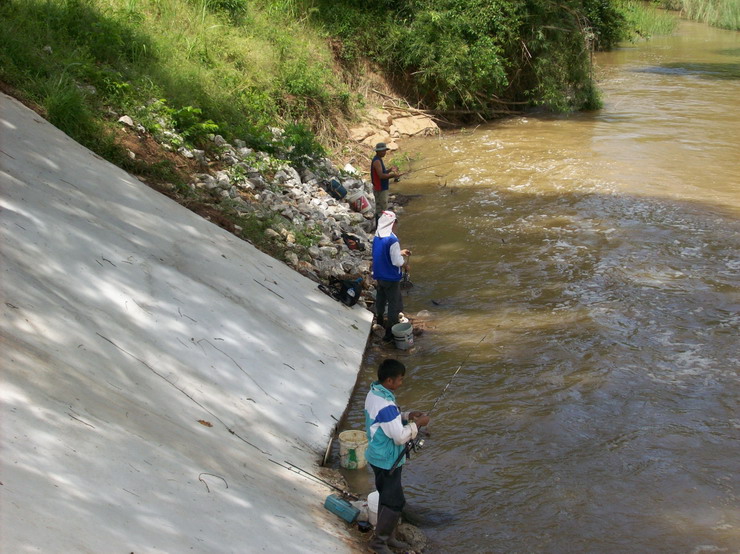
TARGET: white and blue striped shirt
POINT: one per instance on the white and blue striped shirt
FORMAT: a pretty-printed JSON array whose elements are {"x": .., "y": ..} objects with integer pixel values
[{"x": 386, "y": 433}]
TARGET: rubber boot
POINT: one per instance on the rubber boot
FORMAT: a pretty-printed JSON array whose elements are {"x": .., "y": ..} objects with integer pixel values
[
  {"x": 395, "y": 543},
  {"x": 387, "y": 520}
]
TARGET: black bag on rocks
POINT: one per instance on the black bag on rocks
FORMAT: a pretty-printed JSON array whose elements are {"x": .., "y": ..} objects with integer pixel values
[{"x": 346, "y": 291}]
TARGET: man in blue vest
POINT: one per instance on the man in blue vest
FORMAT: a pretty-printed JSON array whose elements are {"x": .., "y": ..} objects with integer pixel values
[{"x": 388, "y": 264}]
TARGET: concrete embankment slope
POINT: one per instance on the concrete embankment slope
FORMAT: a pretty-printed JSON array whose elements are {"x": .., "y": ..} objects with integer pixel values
[{"x": 152, "y": 366}]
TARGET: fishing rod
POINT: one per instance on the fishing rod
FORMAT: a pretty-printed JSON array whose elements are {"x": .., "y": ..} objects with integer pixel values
[
  {"x": 416, "y": 444},
  {"x": 411, "y": 170},
  {"x": 303, "y": 473},
  {"x": 458, "y": 371}
]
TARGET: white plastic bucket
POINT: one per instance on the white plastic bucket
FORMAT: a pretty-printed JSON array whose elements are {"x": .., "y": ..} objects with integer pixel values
[
  {"x": 352, "y": 446},
  {"x": 372, "y": 507},
  {"x": 403, "y": 335},
  {"x": 358, "y": 202}
]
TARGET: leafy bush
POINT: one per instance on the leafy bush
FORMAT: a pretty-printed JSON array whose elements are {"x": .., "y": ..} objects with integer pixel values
[
  {"x": 300, "y": 142},
  {"x": 189, "y": 122},
  {"x": 475, "y": 55},
  {"x": 607, "y": 22}
]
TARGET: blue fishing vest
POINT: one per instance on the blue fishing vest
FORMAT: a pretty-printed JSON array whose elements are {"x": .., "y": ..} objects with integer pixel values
[{"x": 383, "y": 268}]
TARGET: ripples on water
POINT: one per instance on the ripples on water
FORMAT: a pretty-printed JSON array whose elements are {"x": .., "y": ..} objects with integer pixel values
[{"x": 586, "y": 273}]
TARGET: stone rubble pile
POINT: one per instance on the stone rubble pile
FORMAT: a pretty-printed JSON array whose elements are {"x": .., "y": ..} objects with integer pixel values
[
  {"x": 305, "y": 223},
  {"x": 296, "y": 202}
]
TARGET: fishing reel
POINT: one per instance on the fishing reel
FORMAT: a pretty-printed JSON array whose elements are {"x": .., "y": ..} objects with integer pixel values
[{"x": 414, "y": 445}]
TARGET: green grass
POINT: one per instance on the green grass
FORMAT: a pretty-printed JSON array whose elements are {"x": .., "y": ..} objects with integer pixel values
[
  {"x": 203, "y": 66},
  {"x": 645, "y": 19},
  {"x": 720, "y": 13}
]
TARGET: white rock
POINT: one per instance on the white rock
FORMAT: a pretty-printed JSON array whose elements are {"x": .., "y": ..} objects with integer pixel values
[
  {"x": 291, "y": 258},
  {"x": 209, "y": 181},
  {"x": 328, "y": 251},
  {"x": 281, "y": 177},
  {"x": 223, "y": 179},
  {"x": 257, "y": 182},
  {"x": 330, "y": 268}
]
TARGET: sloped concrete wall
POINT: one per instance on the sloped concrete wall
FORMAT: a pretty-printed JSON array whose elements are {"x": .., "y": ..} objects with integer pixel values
[{"x": 152, "y": 367}]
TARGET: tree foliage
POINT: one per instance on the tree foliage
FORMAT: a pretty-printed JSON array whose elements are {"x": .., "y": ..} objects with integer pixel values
[{"x": 479, "y": 54}]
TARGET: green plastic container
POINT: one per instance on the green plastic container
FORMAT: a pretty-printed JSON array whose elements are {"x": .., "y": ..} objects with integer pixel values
[{"x": 339, "y": 506}]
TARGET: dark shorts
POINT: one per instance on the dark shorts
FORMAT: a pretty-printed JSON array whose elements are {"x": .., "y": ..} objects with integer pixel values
[{"x": 388, "y": 484}]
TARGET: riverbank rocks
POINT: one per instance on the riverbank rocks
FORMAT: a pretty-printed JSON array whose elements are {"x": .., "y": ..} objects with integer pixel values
[
  {"x": 381, "y": 125},
  {"x": 411, "y": 535},
  {"x": 285, "y": 208},
  {"x": 304, "y": 223}
]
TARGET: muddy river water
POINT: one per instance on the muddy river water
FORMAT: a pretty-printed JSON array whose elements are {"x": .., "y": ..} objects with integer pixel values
[{"x": 585, "y": 272}]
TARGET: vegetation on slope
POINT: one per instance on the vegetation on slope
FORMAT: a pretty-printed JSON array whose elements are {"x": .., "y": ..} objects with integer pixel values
[
  {"x": 238, "y": 68},
  {"x": 478, "y": 56},
  {"x": 200, "y": 66}
]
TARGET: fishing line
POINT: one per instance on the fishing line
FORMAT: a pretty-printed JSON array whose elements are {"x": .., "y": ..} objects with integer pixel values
[
  {"x": 414, "y": 170},
  {"x": 458, "y": 371},
  {"x": 416, "y": 443}
]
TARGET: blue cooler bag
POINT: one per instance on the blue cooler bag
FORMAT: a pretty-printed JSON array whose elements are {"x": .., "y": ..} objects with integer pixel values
[{"x": 336, "y": 189}]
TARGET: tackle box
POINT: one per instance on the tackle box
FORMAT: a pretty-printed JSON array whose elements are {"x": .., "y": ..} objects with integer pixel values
[{"x": 339, "y": 506}]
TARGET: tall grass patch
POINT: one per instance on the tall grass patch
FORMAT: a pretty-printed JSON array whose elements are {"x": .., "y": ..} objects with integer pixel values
[
  {"x": 647, "y": 19},
  {"x": 720, "y": 13},
  {"x": 229, "y": 65}
]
